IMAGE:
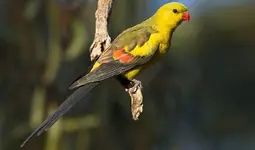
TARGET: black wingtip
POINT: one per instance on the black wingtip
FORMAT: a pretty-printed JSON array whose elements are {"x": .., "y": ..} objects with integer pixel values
[
  {"x": 24, "y": 143},
  {"x": 31, "y": 136},
  {"x": 74, "y": 85}
]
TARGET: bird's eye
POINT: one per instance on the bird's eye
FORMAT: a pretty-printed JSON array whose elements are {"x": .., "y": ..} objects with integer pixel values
[{"x": 175, "y": 11}]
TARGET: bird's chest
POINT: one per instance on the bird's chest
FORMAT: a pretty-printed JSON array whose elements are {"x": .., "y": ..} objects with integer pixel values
[
  {"x": 165, "y": 43},
  {"x": 163, "y": 48}
]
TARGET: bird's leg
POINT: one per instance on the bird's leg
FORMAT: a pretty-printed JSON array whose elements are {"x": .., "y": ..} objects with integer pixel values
[{"x": 134, "y": 89}]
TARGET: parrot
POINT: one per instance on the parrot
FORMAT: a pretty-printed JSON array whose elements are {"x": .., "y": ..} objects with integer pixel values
[{"x": 128, "y": 55}]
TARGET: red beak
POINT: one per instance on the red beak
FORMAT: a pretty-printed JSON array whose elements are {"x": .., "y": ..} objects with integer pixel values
[{"x": 186, "y": 16}]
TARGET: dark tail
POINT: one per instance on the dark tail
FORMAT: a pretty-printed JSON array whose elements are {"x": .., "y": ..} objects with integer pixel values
[{"x": 75, "y": 97}]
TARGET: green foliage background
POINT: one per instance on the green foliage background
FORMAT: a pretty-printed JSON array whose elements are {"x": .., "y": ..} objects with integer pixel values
[{"x": 201, "y": 97}]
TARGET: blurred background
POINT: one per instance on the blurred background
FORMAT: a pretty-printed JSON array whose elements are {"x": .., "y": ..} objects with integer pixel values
[{"x": 200, "y": 97}]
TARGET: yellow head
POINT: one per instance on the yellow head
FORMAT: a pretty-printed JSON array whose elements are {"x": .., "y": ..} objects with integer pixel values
[{"x": 171, "y": 15}]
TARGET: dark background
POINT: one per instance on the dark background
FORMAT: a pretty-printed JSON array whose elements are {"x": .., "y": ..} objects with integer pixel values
[{"x": 200, "y": 97}]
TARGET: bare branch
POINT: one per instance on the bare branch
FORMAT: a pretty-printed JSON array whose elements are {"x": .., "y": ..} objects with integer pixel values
[
  {"x": 135, "y": 93},
  {"x": 101, "y": 41}
]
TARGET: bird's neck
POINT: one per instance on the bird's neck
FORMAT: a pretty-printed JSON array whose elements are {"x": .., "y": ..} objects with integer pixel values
[
  {"x": 164, "y": 27},
  {"x": 166, "y": 33}
]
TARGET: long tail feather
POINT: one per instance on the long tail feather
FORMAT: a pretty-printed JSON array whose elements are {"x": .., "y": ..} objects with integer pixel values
[{"x": 75, "y": 97}]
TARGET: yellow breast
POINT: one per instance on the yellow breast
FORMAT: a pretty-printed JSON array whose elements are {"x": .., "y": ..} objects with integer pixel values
[
  {"x": 133, "y": 73},
  {"x": 155, "y": 40}
]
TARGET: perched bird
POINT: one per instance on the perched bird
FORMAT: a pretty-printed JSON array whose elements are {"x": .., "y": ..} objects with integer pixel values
[{"x": 130, "y": 53}]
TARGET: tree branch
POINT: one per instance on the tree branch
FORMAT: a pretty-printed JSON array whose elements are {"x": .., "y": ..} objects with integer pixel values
[
  {"x": 101, "y": 41},
  {"x": 135, "y": 92}
]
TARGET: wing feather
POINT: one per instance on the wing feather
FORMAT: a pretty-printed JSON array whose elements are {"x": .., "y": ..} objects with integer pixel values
[{"x": 117, "y": 59}]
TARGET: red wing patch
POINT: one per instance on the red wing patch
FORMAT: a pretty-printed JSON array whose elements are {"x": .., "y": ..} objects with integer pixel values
[
  {"x": 122, "y": 56},
  {"x": 105, "y": 57}
]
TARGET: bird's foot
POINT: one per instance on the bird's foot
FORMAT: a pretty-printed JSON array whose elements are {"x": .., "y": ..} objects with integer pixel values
[{"x": 134, "y": 86}]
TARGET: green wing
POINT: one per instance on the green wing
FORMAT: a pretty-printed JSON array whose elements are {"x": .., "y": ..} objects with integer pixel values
[{"x": 117, "y": 59}]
